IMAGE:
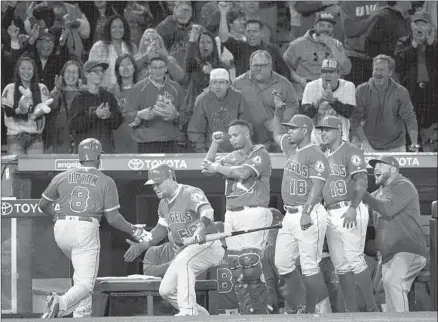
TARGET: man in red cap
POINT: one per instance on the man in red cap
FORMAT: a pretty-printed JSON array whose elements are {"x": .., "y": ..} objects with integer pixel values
[
  {"x": 305, "y": 222},
  {"x": 399, "y": 238},
  {"x": 185, "y": 212},
  {"x": 347, "y": 223}
]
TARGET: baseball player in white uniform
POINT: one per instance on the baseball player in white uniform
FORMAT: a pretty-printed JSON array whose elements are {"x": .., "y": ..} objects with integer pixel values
[
  {"x": 84, "y": 195},
  {"x": 305, "y": 222},
  {"x": 186, "y": 212},
  {"x": 346, "y": 185}
]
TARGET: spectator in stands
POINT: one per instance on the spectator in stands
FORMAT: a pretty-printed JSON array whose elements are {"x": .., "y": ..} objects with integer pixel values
[
  {"x": 383, "y": 112},
  {"x": 388, "y": 26},
  {"x": 214, "y": 109},
  {"x": 24, "y": 130},
  {"x": 58, "y": 138},
  {"x": 305, "y": 54},
  {"x": 236, "y": 20},
  {"x": 94, "y": 111},
  {"x": 39, "y": 14},
  {"x": 150, "y": 43},
  {"x": 116, "y": 41},
  {"x": 257, "y": 86},
  {"x": 98, "y": 13},
  {"x": 126, "y": 74},
  {"x": 201, "y": 58},
  {"x": 329, "y": 95},
  {"x": 357, "y": 17},
  {"x": 139, "y": 18},
  {"x": 155, "y": 134},
  {"x": 416, "y": 59},
  {"x": 9, "y": 16},
  {"x": 175, "y": 30},
  {"x": 12, "y": 47},
  {"x": 252, "y": 12},
  {"x": 71, "y": 27},
  {"x": 41, "y": 46},
  {"x": 399, "y": 237},
  {"x": 242, "y": 51},
  {"x": 210, "y": 15},
  {"x": 309, "y": 10}
]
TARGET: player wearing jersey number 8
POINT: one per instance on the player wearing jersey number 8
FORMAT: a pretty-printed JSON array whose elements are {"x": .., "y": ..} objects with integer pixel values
[
  {"x": 305, "y": 222},
  {"x": 84, "y": 194},
  {"x": 347, "y": 215}
]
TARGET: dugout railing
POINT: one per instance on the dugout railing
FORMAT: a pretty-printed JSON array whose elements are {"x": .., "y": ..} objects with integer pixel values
[{"x": 31, "y": 260}]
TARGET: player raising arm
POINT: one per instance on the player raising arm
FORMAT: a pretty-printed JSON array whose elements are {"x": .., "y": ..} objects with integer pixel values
[
  {"x": 83, "y": 194},
  {"x": 346, "y": 185},
  {"x": 186, "y": 212},
  {"x": 247, "y": 171},
  {"x": 305, "y": 222}
]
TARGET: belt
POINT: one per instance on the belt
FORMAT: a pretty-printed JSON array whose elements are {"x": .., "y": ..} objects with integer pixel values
[
  {"x": 79, "y": 218},
  {"x": 338, "y": 205},
  {"x": 241, "y": 208},
  {"x": 293, "y": 209}
]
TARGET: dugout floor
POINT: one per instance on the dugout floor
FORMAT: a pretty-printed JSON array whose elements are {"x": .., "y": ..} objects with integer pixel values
[{"x": 336, "y": 317}]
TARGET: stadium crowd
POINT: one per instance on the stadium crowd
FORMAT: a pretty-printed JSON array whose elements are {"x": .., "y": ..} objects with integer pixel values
[{"x": 161, "y": 76}]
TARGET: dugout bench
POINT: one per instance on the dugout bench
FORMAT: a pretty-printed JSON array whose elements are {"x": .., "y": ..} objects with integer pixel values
[
  {"x": 107, "y": 290},
  {"x": 27, "y": 235}
]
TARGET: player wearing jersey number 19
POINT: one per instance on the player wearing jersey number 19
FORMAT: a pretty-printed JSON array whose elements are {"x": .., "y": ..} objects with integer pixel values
[
  {"x": 305, "y": 222},
  {"x": 186, "y": 212},
  {"x": 84, "y": 194},
  {"x": 347, "y": 215}
]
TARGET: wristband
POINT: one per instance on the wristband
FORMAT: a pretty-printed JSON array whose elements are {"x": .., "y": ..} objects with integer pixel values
[{"x": 354, "y": 206}]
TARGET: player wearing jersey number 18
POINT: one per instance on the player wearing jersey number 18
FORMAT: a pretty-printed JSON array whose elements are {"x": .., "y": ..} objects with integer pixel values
[
  {"x": 347, "y": 215},
  {"x": 305, "y": 222},
  {"x": 247, "y": 171},
  {"x": 84, "y": 195},
  {"x": 186, "y": 212}
]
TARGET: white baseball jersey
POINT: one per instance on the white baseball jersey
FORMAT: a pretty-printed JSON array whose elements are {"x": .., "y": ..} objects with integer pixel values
[{"x": 345, "y": 93}]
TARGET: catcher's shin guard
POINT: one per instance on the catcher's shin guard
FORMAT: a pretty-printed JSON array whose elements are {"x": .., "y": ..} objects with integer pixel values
[{"x": 251, "y": 291}]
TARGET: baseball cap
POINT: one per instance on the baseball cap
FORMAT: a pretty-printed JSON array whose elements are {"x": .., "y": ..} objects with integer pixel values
[
  {"x": 385, "y": 159},
  {"x": 158, "y": 174},
  {"x": 157, "y": 55},
  {"x": 422, "y": 15},
  {"x": 300, "y": 120},
  {"x": 90, "y": 64},
  {"x": 46, "y": 32},
  {"x": 330, "y": 65},
  {"x": 331, "y": 122},
  {"x": 219, "y": 74},
  {"x": 325, "y": 16}
]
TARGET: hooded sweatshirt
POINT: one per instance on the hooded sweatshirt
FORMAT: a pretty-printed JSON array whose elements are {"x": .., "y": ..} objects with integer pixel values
[
  {"x": 385, "y": 114},
  {"x": 396, "y": 214}
]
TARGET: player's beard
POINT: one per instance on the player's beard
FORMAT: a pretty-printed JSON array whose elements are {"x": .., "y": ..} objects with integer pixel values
[{"x": 382, "y": 179}]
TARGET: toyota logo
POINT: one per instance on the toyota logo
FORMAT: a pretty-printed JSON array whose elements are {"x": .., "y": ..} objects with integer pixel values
[
  {"x": 6, "y": 208},
  {"x": 135, "y": 164}
]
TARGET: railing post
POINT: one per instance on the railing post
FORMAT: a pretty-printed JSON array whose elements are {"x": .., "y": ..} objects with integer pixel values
[{"x": 433, "y": 257}]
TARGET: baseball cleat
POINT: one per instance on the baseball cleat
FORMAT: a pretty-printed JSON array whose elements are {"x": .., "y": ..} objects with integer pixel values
[{"x": 52, "y": 307}]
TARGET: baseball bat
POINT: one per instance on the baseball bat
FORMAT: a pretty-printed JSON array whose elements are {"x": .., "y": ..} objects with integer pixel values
[
  {"x": 377, "y": 278},
  {"x": 216, "y": 236}
]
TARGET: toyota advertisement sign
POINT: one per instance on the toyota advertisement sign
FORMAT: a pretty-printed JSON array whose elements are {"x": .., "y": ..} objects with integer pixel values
[{"x": 21, "y": 208}]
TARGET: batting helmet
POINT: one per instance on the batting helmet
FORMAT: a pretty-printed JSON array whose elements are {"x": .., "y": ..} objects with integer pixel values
[
  {"x": 158, "y": 174},
  {"x": 89, "y": 150}
]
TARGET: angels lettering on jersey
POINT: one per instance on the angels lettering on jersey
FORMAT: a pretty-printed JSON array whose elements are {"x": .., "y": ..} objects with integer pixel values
[{"x": 181, "y": 214}]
